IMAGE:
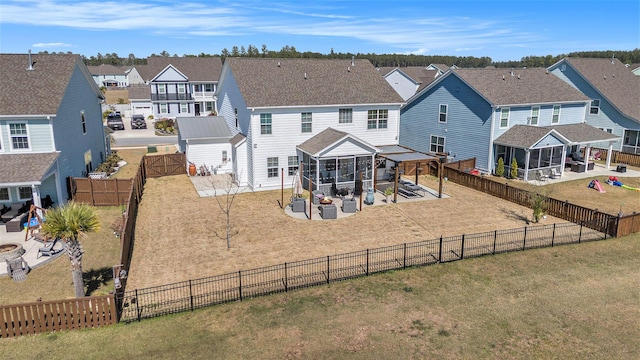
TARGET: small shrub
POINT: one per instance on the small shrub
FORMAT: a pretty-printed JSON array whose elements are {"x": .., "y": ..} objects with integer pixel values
[
  {"x": 500, "y": 167},
  {"x": 539, "y": 206},
  {"x": 169, "y": 129},
  {"x": 150, "y": 117},
  {"x": 122, "y": 101},
  {"x": 514, "y": 169},
  {"x": 388, "y": 191}
]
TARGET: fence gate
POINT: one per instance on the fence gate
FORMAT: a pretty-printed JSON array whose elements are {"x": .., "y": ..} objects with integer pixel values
[{"x": 165, "y": 165}]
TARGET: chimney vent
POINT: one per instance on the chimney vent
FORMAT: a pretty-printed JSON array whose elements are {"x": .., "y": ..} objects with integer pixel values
[
  {"x": 353, "y": 61},
  {"x": 348, "y": 68},
  {"x": 305, "y": 76},
  {"x": 278, "y": 63},
  {"x": 31, "y": 63}
]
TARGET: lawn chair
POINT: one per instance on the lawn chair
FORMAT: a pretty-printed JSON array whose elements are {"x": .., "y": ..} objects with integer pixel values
[
  {"x": 555, "y": 174},
  {"x": 17, "y": 269},
  {"x": 542, "y": 176},
  {"x": 48, "y": 249}
]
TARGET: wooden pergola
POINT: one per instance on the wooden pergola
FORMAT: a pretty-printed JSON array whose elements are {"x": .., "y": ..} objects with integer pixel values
[{"x": 413, "y": 157}]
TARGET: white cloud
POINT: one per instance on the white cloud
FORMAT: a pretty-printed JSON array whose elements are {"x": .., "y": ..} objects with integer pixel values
[{"x": 51, "y": 45}]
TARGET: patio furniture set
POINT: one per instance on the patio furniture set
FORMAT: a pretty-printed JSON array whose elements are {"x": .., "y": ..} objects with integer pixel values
[
  {"x": 328, "y": 209},
  {"x": 13, "y": 216}
]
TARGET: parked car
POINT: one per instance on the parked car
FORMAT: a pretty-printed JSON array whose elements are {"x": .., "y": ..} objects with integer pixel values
[
  {"x": 138, "y": 122},
  {"x": 114, "y": 122}
]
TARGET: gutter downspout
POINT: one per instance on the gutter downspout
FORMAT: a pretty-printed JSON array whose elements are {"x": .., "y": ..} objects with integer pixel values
[{"x": 491, "y": 135}]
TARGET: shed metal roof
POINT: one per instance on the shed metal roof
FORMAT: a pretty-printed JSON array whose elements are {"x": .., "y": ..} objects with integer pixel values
[{"x": 203, "y": 127}]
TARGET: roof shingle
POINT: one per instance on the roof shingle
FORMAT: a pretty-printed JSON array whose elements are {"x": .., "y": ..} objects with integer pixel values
[
  {"x": 203, "y": 69},
  {"x": 522, "y": 86},
  {"x": 304, "y": 82},
  {"x": 25, "y": 168},
  {"x": 38, "y": 91}
]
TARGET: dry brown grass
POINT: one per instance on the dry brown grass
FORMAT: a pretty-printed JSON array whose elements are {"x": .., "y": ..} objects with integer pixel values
[
  {"x": 133, "y": 157},
  {"x": 53, "y": 280},
  {"x": 175, "y": 229},
  {"x": 578, "y": 192},
  {"x": 112, "y": 96}
]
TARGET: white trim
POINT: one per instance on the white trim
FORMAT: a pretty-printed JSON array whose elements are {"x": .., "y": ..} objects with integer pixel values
[
  {"x": 508, "y": 116},
  {"x": 537, "y": 116},
  {"x": 8, "y": 192},
  {"x": 444, "y": 142},
  {"x": 2, "y": 148},
  {"x": 446, "y": 113},
  {"x": 596, "y": 107},
  {"x": 25, "y": 187},
  {"x": 26, "y": 126},
  {"x": 559, "y": 112},
  {"x": 162, "y": 86}
]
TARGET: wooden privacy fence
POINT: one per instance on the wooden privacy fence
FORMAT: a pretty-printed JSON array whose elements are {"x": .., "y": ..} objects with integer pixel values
[
  {"x": 595, "y": 219},
  {"x": 100, "y": 192},
  {"x": 46, "y": 316},
  {"x": 165, "y": 165},
  {"x": 628, "y": 224},
  {"x": 619, "y": 157}
]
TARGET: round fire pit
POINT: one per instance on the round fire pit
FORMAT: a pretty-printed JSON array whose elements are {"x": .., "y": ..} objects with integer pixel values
[{"x": 10, "y": 251}]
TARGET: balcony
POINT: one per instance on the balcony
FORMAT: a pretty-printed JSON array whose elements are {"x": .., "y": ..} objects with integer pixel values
[{"x": 168, "y": 97}]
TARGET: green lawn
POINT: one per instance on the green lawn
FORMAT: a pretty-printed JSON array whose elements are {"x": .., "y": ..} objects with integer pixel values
[{"x": 570, "y": 302}]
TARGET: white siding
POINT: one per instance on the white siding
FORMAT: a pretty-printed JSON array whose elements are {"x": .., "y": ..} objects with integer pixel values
[{"x": 207, "y": 153}]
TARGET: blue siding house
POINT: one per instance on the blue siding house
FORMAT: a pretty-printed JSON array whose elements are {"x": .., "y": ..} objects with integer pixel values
[
  {"x": 526, "y": 114},
  {"x": 615, "y": 97},
  {"x": 50, "y": 126}
]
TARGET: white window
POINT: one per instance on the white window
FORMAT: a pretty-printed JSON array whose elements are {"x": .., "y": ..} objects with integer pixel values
[
  {"x": 345, "y": 116},
  {"x": 377, "y": 119},
  {"x": 184, "y": 108},
  {"x": 535, "y": 113},
  {"x": 19, "y": 136},
  {"x": 305, "y": 121},
  {"x": 595, "y": 107},
  {"x": 437, "y": 143},
  {"x": 4, "y": 194},
  {"x": 504, "y": 118},
  {"x": 272, "y": 167},
  {"x": 225, "y": 158},
  {"x": 555, "y": 118},
  {"x": 83, "y": 122},
  {"x": 208, "y": 105},
  {"x": 293, "y": 165},
  {"x": 235, "y": 112},
  {"x": 265, "y": 124},
  {"x": 181, "y": 89},
  {"x": 442, "y": 116},
  {"x": 25, "y": 193},
  {"x": 209, "y": 88},
  {"x": 163, "y": 108},
  {"x": 162, "y": 89}
]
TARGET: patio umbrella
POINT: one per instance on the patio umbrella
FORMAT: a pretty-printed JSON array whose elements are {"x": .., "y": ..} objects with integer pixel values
[{"x": 297, "y": 185}]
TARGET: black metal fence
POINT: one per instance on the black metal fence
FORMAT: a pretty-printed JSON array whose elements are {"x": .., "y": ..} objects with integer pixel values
[{"x": 188, "y": 295}]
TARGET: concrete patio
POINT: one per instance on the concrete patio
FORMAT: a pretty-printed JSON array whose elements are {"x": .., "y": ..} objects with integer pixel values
[
  {"x": 598, "y": 170},
  {"x": 31, "y": 247}
]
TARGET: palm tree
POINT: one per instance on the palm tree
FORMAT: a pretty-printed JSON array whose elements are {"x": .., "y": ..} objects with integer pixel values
[{"x": 69, "y": 223}]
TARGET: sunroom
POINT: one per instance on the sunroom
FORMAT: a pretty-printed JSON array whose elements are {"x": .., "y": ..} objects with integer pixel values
[{"x": 334, "y": 159}]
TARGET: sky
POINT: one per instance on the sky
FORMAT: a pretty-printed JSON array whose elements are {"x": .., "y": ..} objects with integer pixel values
[{"x": 501, "y": 30}]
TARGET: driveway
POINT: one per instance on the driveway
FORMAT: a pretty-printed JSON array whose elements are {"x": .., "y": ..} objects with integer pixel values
[{"x": 140, "y": 137}]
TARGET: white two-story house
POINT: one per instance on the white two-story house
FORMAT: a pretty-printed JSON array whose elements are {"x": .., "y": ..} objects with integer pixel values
[
  {"x": 50, "y": 126},
  {"x": 328, "y": 115},
  {"x": 183, "y": 86}
]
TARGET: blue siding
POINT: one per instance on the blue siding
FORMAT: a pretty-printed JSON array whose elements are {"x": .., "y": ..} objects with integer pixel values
[
  {"x": 467, "y": 131},
  {"x": 519, "y": 115},
  {"x": 67, "y": 128},
  {"x": 548, "y": 141},
  {"x": 608, "y": 117}
]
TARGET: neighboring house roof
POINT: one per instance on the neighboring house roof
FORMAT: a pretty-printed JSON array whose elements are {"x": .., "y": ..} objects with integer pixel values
[
  {"x": 613, "y": 80},
  {"x": 526, "y": 136},
  {"x": 25, "y": 168},
  {"x": 38, "y": 91},
  {"x": 237, "y": 139},
  {"x": 326, "y": 138},
  {"x": 308, "y": 82},
  {"x": 196, "y": 69},
  {"x": 107, "y": 69},
  {"x": 420, "y": 75},
  {"x": 144, "y": 72},
  {"x": 203, "y": 127},
  {"x": 139, "y": 93},
  {"x": 519, "y": 86}
]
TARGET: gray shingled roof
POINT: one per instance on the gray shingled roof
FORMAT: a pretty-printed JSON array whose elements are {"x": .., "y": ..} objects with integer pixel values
[
  {"x": 205, "y": 69},
  {"x": 237, "y": 138},
  {"x": 526, "y": 136},
  {"x": 614, "y": 81},
  {"x": 140, "y": 92},
  {"x": 38, "y": 91},
  {"x": 105, "y": 69},
  {"x": 525, "y": 86},
  {"x": 328, "y": 82},
  {"x": 25, "y": 168},
  {"x": 203, "y": 127},
  {"x": 320, "y": 141}
]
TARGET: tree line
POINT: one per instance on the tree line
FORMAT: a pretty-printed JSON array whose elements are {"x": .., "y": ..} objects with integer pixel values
[{"x": 378, "y": 60}]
